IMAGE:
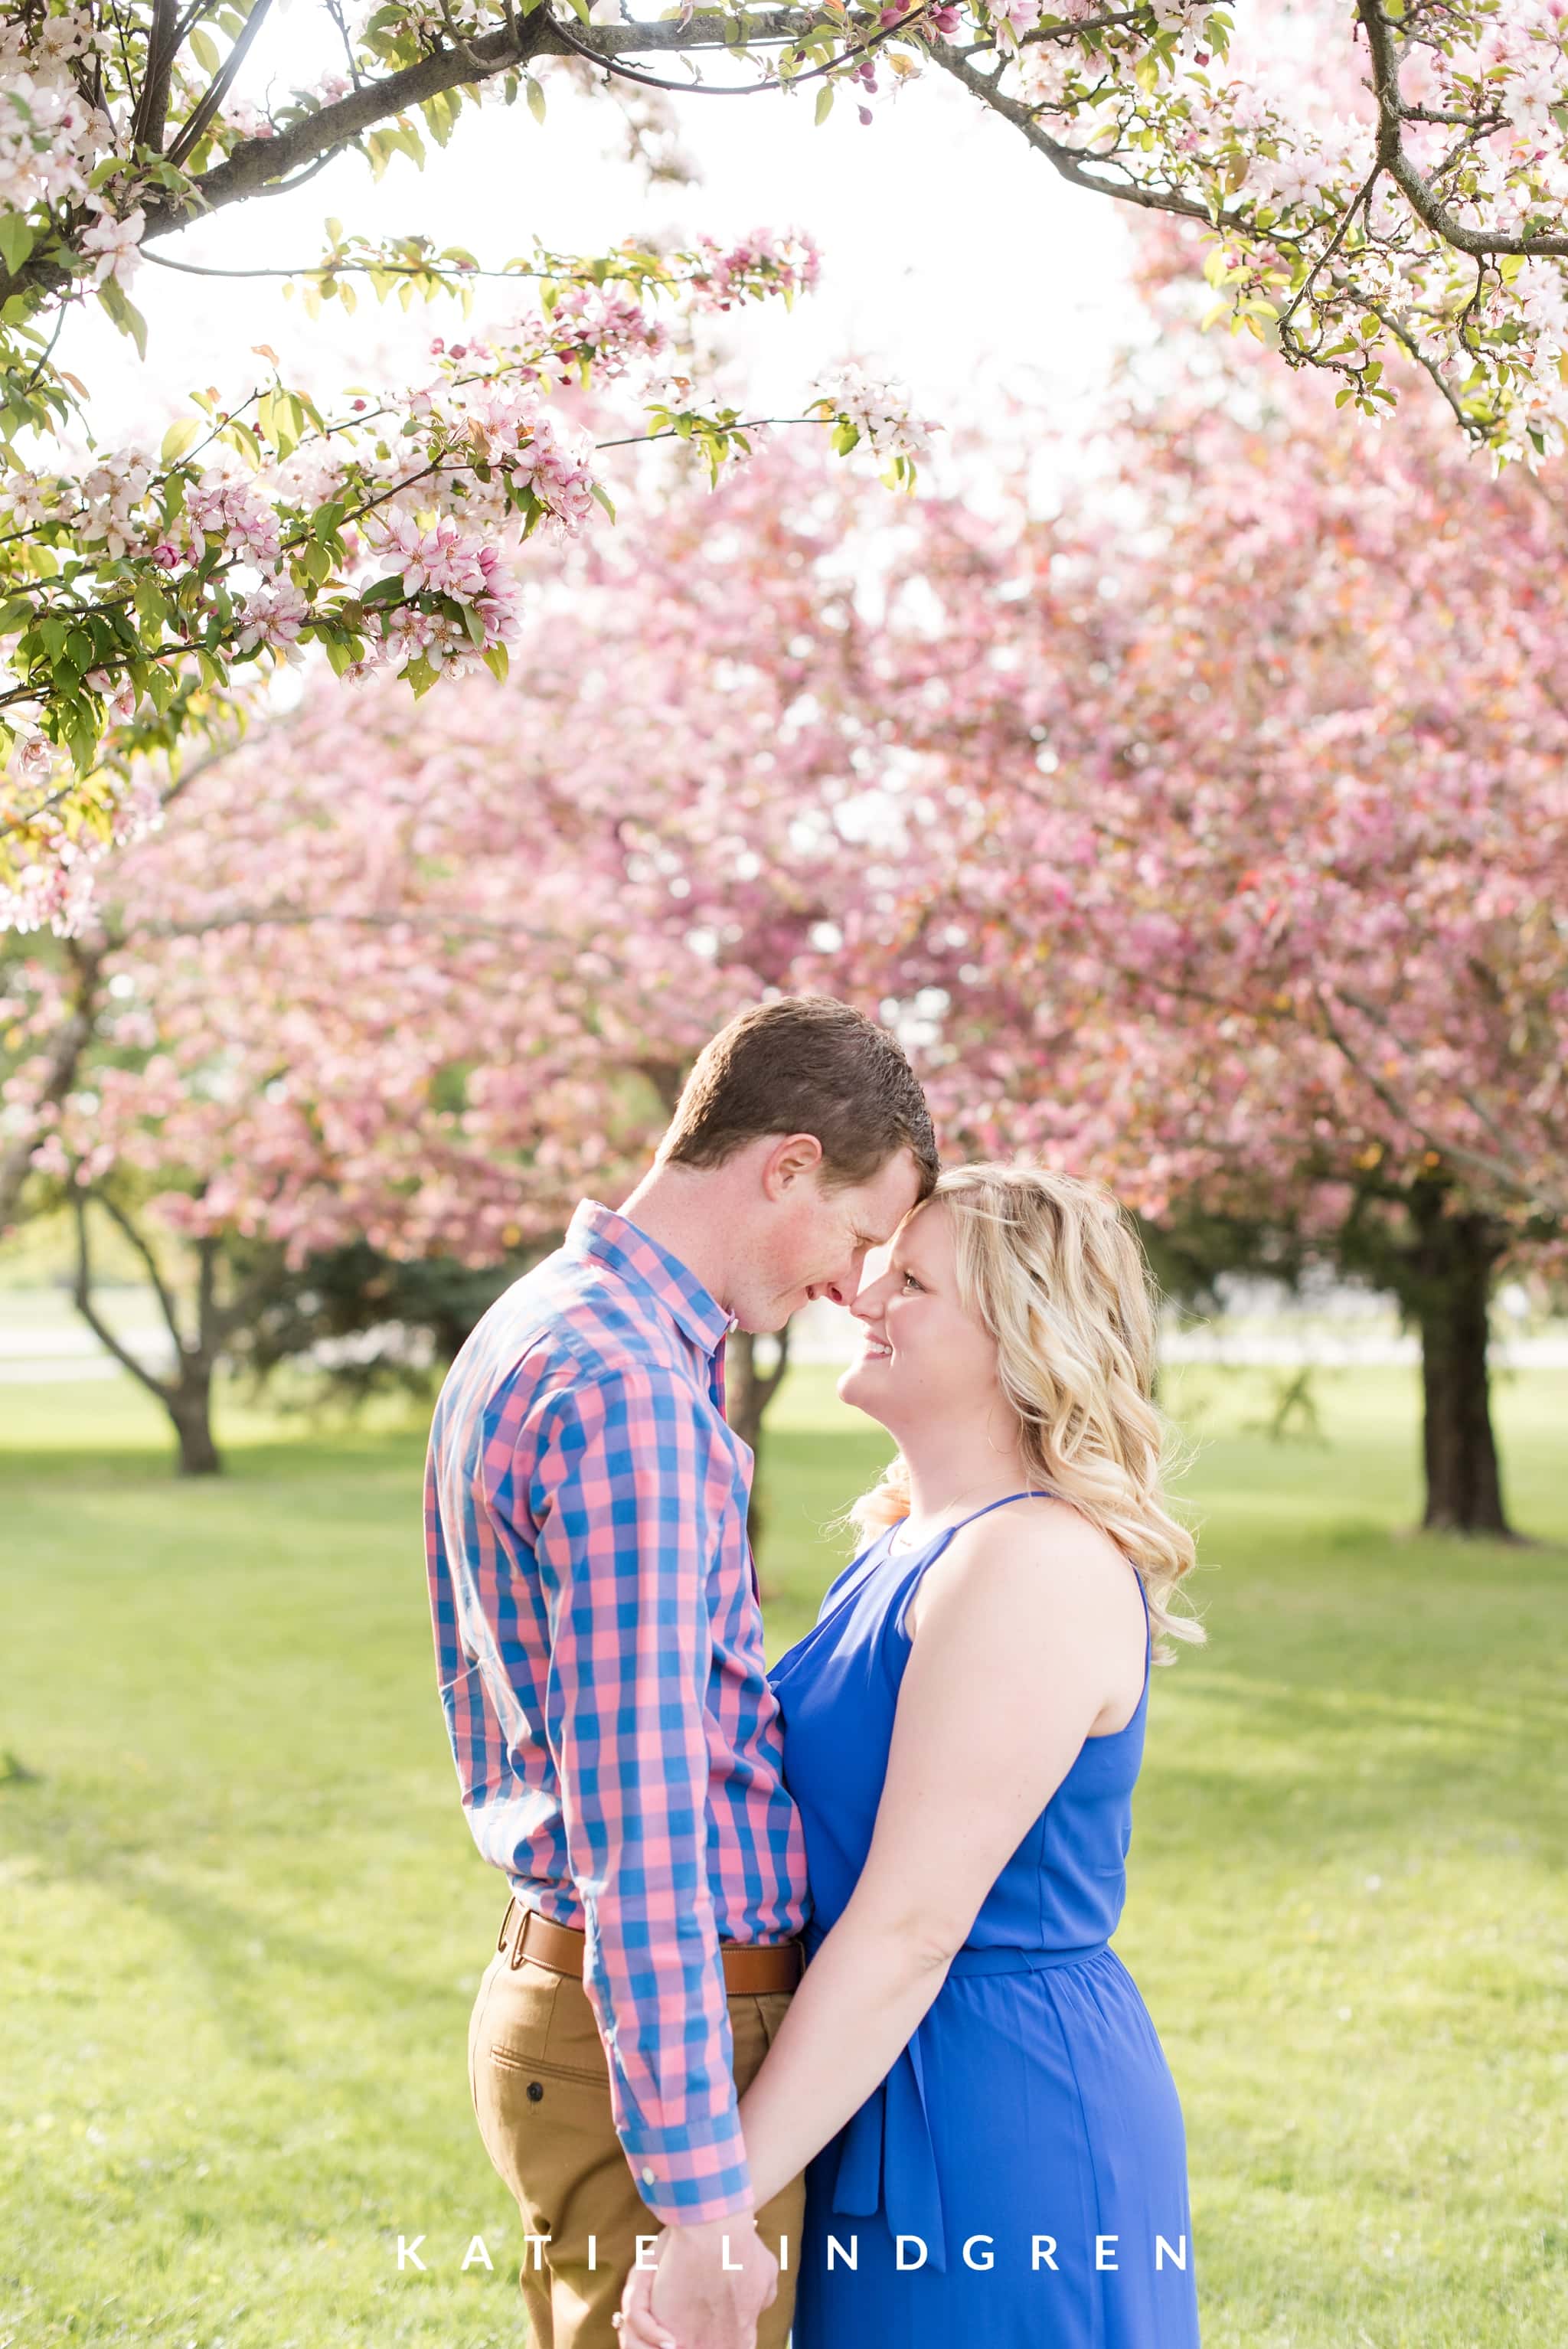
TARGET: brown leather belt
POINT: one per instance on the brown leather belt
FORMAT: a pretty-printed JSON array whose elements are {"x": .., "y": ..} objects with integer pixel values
[{"x": 751, "y": 1969}]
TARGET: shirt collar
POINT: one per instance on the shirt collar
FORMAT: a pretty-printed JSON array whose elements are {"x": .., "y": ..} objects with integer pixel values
[{"x": 600, "y": 1233}]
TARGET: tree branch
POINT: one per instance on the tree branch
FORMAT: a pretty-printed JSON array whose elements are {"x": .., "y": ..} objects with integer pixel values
[
  {"x": 152, "y": 104},
  {"x": 255, "y": 164},
  {"x": 1372, "y": 1014},
  {"x": 206, "y": 108},
  {"x": 1429, "y": 367},
  {"x": 143, "y": 1248},
  {"x": 83, "y": 1301},
  {"x": 1418, "y": 191},
  {"x": 1071, "y": 163},
  {"x": 1508, "y": 1178},
  {"x": 736, "y": 88},
  {"x": 63, "y": 1060}
]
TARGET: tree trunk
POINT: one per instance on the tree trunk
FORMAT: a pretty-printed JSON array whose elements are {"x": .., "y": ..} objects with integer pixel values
[
  {"x": 189, "y": 1405},
  {"x": 187, "y": 1394},
  {"x": 1446, "y": 1292},
  {"x": 748, "y": 1392}
]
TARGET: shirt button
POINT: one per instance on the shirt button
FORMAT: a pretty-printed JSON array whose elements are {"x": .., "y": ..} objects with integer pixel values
[{"x": 647, "y": 2177}]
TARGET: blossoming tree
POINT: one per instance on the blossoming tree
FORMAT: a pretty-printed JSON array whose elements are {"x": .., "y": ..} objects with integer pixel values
[
  {"x": 1213, "y": 841},
  {"x": 1370, "y": 178},
  {"x": 1246, "y": 884},
  {"x": 423, "y": 979}
]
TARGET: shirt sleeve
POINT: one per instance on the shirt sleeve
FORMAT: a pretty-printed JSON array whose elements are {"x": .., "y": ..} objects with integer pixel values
[{"x": 625, "y": 1530}]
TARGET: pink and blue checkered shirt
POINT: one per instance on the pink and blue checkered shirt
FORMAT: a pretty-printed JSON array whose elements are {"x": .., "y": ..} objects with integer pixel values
[{"x": 599, "y": 1645}]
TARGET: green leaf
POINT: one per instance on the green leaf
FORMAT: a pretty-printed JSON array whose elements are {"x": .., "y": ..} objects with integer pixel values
[
  {"x": 535, "y": 99},
  {"x": 601, "y": 495},
  {"x": 181, "y": 434},
  {"x": 824, "y": 102},
  {"x": 83, "y": 739},
  {"x": 204, "y": 49},
  {"x": 125, "y": 314},
  {"x": 240, "y": 438},
  {"x": 498, "y": 660},
  {"x": 440, "y": 113},
  {"x": 17, "y": 240}
]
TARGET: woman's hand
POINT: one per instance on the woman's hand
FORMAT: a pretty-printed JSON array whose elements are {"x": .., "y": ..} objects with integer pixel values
[{"x": 637, "y": 2326}]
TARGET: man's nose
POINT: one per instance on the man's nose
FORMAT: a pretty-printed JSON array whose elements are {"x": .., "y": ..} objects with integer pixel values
[{"x": 863, "y": 1304}]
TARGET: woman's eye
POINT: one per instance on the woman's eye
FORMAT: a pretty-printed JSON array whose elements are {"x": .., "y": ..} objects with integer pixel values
[{"x": 910, "y": 1281}]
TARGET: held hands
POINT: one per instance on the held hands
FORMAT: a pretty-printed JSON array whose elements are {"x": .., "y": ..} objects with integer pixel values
[{"x": 693, "y": 2299}]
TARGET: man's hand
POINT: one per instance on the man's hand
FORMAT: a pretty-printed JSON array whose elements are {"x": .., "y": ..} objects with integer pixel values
[{"x": 692, "y": 2299}]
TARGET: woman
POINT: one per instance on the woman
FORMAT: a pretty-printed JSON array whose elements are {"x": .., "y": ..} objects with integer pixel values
[{"x": 998, "y": 2148}]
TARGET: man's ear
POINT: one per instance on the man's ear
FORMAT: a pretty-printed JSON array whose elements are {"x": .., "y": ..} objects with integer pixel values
[{"x": 792, "y": 1157}]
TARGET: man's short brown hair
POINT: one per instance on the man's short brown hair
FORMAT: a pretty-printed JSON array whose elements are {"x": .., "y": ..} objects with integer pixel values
[{"x": 805, "y": 1064}]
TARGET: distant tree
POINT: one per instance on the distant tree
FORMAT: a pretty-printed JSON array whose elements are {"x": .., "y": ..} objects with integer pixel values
[{"x": 1247, "y": 885}]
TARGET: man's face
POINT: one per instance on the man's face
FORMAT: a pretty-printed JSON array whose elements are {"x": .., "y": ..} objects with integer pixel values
[{"x": 816, "y": 1239}]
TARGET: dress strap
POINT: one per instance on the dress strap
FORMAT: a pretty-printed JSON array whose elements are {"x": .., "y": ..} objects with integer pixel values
[
  {"x": 920, "y": 1559},
  {"x": 1034, "y": 1494},
  {"x": 948, "y": 1531}
]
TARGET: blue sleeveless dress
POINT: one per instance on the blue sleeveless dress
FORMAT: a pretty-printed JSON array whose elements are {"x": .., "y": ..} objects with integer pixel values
[{"x": 1029, "y": 2138}]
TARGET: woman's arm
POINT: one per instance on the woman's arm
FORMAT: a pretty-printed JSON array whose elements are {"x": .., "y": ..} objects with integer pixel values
[{"x": 1023, "y": 1632}]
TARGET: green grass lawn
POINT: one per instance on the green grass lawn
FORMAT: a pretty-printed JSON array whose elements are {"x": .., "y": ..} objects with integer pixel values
[{"x": 242, "y": 1921}]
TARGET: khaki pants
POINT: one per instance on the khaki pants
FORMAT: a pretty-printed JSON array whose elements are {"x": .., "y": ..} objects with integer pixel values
[{"x": 542, "y": 2094}]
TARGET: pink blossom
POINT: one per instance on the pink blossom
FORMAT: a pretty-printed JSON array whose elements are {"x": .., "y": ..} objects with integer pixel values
[
  {"x": 115, "y": 242},
  {"x": 273, "y": 616},
  {"x": 790, "y": 262},
  {"x": 557, "y": 465},
  {"x": 441, "y": 562},
  {"x": 232, "y": 507}
]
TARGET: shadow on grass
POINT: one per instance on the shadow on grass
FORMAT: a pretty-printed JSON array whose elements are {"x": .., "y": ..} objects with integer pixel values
[{"x": 235, "y": 1954}]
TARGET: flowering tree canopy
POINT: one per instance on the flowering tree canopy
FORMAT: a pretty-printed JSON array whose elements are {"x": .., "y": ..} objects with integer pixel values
[
  {"x": 1250, "y": 870},
  {"x": 1207, "y": 840},
  {"x": 422, "y": 978},
  {"x": 1220, "y": 838},
  {"x": 136, "y": 585},
  {"x": 1371, "y": 178}
]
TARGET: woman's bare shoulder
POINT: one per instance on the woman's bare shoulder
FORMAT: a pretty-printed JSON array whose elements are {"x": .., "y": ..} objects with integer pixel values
[{"x": 1030, "y": 1560}]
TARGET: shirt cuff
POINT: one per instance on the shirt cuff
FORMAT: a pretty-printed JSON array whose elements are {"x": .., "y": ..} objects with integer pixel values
[{"x": 691, "y": 2174}]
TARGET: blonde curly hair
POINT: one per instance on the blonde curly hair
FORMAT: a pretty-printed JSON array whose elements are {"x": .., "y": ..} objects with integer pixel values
[{"x": 1051, "y": 1267}]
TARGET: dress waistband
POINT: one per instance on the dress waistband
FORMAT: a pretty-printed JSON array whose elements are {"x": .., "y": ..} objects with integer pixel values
[{"x": 999, "y": 1958}]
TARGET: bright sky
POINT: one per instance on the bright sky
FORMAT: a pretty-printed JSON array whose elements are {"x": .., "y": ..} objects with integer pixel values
[{"x": 953, "y": 257}]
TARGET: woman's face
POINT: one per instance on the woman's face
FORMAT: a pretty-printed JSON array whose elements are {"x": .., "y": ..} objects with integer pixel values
[{"x": 921, "y": 1354}]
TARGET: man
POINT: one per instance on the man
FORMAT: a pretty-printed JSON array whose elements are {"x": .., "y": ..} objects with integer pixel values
[{"x": 599, "y": 1644}]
